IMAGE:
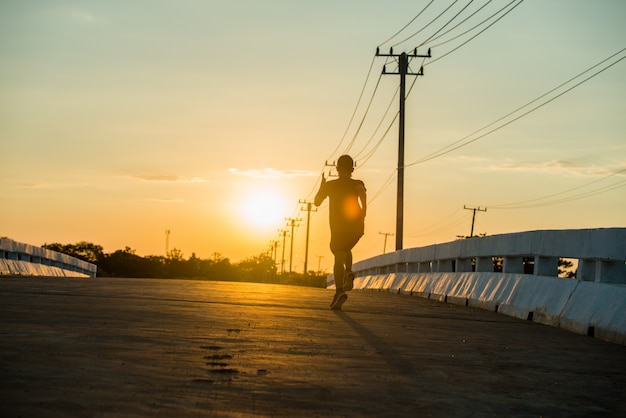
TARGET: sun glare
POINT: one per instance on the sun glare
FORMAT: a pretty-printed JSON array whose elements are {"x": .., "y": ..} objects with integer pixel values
[{"x": 264, "y": 210}]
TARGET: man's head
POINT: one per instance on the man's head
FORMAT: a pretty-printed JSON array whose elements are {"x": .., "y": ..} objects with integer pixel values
[{"x": 345, "y": 165}]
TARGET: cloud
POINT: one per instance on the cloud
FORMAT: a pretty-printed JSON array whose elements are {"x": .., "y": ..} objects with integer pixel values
[
  {"x": 84, "y": 17},
  {"x": 30, "y": 185},
  {"x": 563, "y": 166},
  {"x": 166, "y": 200},
  {"x": 270, "y": 173},
  {"x": 166, "y": 178},
  {"x": 545, "y": 165}
]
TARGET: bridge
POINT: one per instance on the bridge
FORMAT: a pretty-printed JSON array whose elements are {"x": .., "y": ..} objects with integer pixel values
[
  {"x": 19, "y": 259},
  {"x": 517, "y": 275},
  {"x": 471, "y": 328},
  {"x": 184, "y": 348}
]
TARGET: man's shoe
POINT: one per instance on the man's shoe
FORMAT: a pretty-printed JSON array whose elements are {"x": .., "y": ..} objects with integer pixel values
[
  {"x": 348, "y": 281},
  {"x": 339, "y": 299}
]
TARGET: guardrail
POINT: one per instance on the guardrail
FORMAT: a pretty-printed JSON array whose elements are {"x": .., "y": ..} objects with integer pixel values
[
  {"x": 517, "y": 275},
  {"x": 19, "y": 259},
  {"x": 599, "y": 254}
]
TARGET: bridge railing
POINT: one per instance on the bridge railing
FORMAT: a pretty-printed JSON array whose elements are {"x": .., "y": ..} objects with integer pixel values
[
  {"x": 517, "y": 275},
  {"x": 19, "y": 259},
  {"x": 598, "y": 255}
]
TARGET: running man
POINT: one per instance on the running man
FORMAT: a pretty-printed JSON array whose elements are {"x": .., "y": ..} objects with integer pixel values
[{"x": 347, "y": 215}]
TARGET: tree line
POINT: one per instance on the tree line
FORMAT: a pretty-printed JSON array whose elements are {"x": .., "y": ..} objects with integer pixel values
[{"x": 126, "y": 263}]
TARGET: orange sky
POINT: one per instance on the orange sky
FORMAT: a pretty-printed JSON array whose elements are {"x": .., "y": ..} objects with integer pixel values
[{"x": 213, "y": 119}]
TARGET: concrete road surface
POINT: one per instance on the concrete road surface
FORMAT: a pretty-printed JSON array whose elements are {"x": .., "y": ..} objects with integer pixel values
[{"x": 173, "y": 348}]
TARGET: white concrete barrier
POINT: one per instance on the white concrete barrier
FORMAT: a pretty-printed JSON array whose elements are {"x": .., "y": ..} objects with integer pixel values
[
  {"x": 588, "y": 308},
  {"x": 462, "y": 272},
  {"x": 19, "y": 259}
]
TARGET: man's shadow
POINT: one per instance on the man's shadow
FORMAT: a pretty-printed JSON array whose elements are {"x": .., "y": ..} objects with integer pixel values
[{"x": 382, "y": 347}]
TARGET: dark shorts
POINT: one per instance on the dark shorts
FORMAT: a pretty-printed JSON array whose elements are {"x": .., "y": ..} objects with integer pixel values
[{"x": 344, "y": 238}]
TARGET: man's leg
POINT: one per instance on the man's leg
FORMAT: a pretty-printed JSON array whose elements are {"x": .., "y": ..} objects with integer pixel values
[
  {"x": 339, "y": 269},
  {"x": 348, "y": 283},
  {"x": 348, "y": 260}
]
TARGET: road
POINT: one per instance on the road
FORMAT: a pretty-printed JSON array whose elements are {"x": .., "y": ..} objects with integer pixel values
[{"x": 182, "y": 348}]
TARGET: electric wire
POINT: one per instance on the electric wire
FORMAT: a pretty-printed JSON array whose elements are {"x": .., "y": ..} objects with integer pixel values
[
  {"x": 360, "y": 153},
  {"x": 537, "y": 201},
  {"x": 382, "y": 188},
  {"x": 572, "y": 198},
  {"x": 448, "y": 149},
  {"x": 371, "y": 153},
  {"x": 479, "y": 33},
  {"x": 440, "y": 226},
  {"x": 427, "y": 25},
  {"x": 447, "y": 23},
  {"x": 369, "y": 72},
  {"x": 432, "y": 38},
  {"x": 468, "y": 30},
  {"x": 369, "y": 105},
  {"x": 408, "y": 24},
  {"x": 528, "y": 104}
]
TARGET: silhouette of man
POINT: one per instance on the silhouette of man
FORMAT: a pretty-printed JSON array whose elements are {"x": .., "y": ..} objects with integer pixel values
[{"x": 347, "y": 215}]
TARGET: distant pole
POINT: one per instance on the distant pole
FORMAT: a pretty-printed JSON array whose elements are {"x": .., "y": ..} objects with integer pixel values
[
  {"x": 167, "y": 241},
  {"x": 386, "y": 234},
  {"x": 292, "y": 223},
  {"x": 403, "y": 66},
  {"x": 474, "y": 217},
  {"x": 309, "y": 209},
  {"x": 319, "y": 263},
  {"x": 282, "y": 261}
]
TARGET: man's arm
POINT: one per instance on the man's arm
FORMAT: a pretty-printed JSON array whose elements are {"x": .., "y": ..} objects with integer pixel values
[
  {"x": 363, "y": 198},
  {"x": 321, "y": 193}
]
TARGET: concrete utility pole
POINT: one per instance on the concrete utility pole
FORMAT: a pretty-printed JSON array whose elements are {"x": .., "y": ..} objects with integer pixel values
[
  {"x": 403, "y": 71},
  {"x": 293, "y": 224},
  {"x": 386, "y": 234},
  {"x": 272, "y": 253},
  {"x": 309, "y": 208},
  {"x": 283, "y": 232},
  {"x": 319, "y": 263},
  {"x": 474, "y": 216}
]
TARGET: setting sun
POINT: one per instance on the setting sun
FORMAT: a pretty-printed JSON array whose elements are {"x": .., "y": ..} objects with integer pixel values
[{"x": 264, "y": 209}]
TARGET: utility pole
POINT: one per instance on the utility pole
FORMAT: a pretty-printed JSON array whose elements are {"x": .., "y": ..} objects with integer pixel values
[
  {"x": 474, "y": 216},
  {"x": 272, "y": 254},
  {"x": 292, "y": 223},
  {"x": 309, "y": 209},
  {"x": 386, "y": 234},
  {"x": 319, "y": 263},
  {"x": 167, "y": 241},
  {"x": 283, "y": 232},
  {"x": 403, "y": 71}
]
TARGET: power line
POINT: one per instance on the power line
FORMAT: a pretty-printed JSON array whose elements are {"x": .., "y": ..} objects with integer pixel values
[
  {"x": 432, "y": 38},
  {"x": 448, "y": 22},
  {"x": 479, "y": 33},
  {"x": 470, "y": 29},
  {"x": 427, "y": 25},
  {"x": 408, "y": 24},
  {"x": 449, "y": 148},
  {"x": 537, "y": 201},
  {"x": 369, "y": 72},
  {"x": 364, "y": 116}
]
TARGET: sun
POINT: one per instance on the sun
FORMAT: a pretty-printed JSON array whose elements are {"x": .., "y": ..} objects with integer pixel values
[{"x": 264, "y": 209}]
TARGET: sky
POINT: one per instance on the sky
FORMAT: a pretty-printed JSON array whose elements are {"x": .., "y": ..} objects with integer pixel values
[{"x": 122, "y": 120}]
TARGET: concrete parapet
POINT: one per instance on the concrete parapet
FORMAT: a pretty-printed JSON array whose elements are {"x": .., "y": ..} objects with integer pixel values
[
  {"x": 588, "y": 308},
  {"x": 599, "y": 253},
  {"x": 19, "y": 259}
]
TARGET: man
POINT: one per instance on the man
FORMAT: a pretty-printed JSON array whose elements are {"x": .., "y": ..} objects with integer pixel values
[{"x": 347, "y": 215}]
